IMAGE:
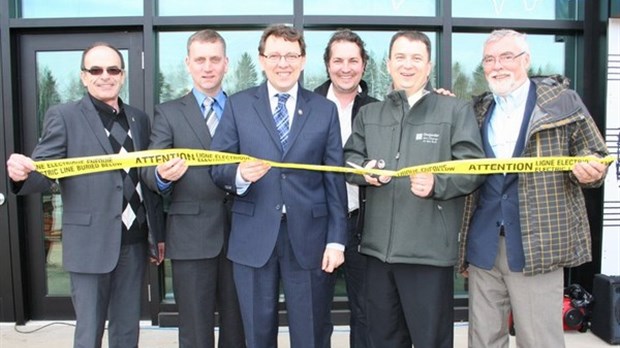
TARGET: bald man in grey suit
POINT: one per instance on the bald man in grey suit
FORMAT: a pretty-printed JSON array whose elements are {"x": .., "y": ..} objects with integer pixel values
[{"x": 104, "y": 246}]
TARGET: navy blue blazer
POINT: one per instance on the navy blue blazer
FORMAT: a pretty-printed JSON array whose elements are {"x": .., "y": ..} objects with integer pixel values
[{"x": 315, "y": 201}]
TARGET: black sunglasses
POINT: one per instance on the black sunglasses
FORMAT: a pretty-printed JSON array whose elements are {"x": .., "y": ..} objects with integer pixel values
[{"x": 95, "y": 70}]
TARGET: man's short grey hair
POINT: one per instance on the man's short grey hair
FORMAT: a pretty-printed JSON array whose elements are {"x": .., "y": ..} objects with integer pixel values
[{"x": 519, "y": 38}]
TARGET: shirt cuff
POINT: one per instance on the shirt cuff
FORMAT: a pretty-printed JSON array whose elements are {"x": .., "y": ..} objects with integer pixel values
[
  {"x": 335, "y": 246},
  {"x": 161, "y": 184},
  {"x": 241, "y": 184}
]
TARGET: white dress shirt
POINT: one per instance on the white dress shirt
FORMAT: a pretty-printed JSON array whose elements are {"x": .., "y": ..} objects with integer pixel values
[
  {"x": 506, "y": 120},
  {"x": 344, "y": 116}
]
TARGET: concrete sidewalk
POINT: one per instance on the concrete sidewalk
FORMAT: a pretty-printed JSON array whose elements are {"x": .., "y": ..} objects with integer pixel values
[{"x": 36, "y": 334}]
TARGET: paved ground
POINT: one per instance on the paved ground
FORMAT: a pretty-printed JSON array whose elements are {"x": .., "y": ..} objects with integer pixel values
[{"x": 36, "y": 334}]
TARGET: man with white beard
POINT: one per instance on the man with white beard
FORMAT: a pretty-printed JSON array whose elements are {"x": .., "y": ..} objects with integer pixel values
[{"x": 521, "y": 230}]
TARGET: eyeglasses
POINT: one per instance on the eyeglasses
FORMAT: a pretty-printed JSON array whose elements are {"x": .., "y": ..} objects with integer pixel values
[
  {"x": 96, "y": 70},
  {"x": 289, "y": 57},
  {"x": 504, "y": 59}
]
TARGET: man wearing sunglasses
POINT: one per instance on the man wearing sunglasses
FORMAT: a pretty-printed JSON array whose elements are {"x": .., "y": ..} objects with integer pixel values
[
  {"x": 197, "y": 225},
  {"x": 106, "y": 216}
]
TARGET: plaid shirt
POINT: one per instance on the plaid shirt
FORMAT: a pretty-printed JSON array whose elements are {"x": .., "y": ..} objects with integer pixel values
[{"x": 554, "y": 222}]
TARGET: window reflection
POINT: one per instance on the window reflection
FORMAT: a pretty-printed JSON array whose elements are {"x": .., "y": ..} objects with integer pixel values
[
  {"x": 168, "y": 291},
  {"x": 80, "y": 8},
  {"x": 518, "y": 9},
  {"x": 547, "y": 57},
  {"x": 217, "y": 8},
  {"x": 376, "y": 75},
  {"x": 57, "y": 278},
  {"x": 370, "y": 7}
]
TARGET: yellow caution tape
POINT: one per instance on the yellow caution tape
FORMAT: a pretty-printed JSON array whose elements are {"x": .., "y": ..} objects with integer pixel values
[
  {"x": 62, "y": 168},
  {"x": 498, "y": 166}
]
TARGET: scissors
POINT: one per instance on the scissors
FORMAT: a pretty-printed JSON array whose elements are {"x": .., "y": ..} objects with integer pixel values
[{"x": 380, "y": 165}]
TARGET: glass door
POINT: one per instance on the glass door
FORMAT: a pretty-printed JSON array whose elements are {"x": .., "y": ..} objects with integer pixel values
[{"x": 50, "y": 74}]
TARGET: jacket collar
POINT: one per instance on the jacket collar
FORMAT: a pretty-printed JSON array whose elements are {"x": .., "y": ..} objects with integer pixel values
[
  {"x": 193, "y": 116},
  {"x": 88, "y": 110},
  {"x": 324, "y": 87},
  {"x": 550, "y": 97}
]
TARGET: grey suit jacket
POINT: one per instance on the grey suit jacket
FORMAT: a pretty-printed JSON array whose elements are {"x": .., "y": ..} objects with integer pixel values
[
  {"x": 92, "y": 203},
  {"x": 197, "y": 216}
]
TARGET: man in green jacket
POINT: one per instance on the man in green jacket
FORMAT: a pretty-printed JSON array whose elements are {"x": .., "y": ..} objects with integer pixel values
[
  {"x": 411, "y": 223},
  {"x": 521, "y": 230}
]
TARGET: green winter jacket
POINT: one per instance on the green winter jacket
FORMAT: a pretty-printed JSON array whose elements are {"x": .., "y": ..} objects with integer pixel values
[{"x": 400, "y": 227}]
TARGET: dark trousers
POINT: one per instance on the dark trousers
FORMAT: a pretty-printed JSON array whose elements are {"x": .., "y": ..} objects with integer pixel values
[
  {"x": 410, "y": 304},
  {"x": 227, "y": 305},
  {"x": 355, "y": 281},
  {"x": 115, "y": 295},
  {"x": 199, "y": 287},
  {"x": 308, "y": 294}
]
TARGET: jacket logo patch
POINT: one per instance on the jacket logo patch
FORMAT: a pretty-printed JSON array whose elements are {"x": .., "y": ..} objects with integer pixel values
[{"x": 429, "y": 138}]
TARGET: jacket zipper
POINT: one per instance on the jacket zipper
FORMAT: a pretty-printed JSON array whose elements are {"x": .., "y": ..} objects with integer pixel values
[
  {"x": 443, "y": 224},
  {"x": 397, "y": 158},
  {"x": 402, "y": 125}
]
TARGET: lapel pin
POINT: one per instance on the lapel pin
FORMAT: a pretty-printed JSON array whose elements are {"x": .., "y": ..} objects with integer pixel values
[{"x": 300, "y": 112}]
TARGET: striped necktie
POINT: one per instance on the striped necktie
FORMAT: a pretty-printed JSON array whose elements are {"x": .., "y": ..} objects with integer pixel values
[
  {"x": 281, "y": 119},
  {"x": 210, "y": 115}
]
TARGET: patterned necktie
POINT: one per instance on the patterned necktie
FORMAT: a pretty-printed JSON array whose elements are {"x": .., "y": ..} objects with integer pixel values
[
  {"x": 281, "y": 119},
  {"x": 133, "y": 215},
  {"x": 210, "y": 115}
]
